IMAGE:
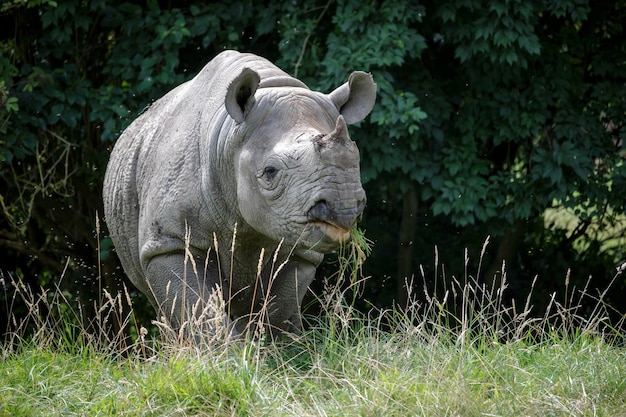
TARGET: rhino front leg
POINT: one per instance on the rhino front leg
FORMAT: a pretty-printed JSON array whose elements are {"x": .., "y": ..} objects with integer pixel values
[
  {"x": 286, "y": 291},
  {"x": 187, "y": 296}
]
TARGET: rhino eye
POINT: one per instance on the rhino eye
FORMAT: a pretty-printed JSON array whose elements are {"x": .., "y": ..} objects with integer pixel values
[{"x": 269, "y": 173}]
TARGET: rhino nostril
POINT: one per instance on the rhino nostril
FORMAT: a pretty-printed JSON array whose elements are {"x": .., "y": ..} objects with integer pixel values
[{"x": 320, "y": 211}]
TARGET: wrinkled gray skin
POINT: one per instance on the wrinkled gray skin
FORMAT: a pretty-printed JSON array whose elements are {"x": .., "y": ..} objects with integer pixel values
[{"x": 241, "y": 143}]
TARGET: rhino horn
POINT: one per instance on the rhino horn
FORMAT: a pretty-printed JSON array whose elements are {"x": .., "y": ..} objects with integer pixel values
[{"x": 338, "y": 136}]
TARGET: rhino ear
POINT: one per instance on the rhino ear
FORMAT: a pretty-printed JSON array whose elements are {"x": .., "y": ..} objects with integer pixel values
[
  {"x": 240, "y": 94},
  {"x": 355, "y": 99}
]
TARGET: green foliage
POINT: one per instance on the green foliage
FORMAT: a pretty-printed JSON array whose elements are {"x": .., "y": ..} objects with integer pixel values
[
  {"x": 503, "y": 32},
  {"x": 519, "y": 129}
]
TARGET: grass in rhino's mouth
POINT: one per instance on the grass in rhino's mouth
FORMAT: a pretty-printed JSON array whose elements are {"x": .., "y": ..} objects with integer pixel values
[
  {"x": 353, "y": 253},
  {"x": 359, "y": 247}
]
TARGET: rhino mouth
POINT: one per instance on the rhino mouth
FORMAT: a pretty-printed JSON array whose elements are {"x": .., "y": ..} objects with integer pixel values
[
  {"x": 334, "y": 226},
  {"x": 332, "y": 232}
]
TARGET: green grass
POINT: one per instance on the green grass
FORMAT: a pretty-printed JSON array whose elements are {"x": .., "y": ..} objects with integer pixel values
[
  {"x": 467, "y": 353},
  {"x": 361, "y": 373}
]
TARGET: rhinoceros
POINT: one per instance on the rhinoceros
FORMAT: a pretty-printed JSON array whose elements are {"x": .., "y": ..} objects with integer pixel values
[{"x": 241, "y": 147}]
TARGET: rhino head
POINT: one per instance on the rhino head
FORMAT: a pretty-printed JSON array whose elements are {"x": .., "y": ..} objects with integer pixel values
[{"x": 297, "y": 170}]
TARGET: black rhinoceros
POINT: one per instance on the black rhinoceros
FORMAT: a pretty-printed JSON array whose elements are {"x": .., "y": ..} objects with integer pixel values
[{"x": 242, "y": 145}]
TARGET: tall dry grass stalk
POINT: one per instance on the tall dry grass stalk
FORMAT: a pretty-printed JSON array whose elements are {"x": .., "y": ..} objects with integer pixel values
[
  {"x": 53, "y": 319},
  {"x": 52, "y": 322},
  {"x": 468, "y": 309}
]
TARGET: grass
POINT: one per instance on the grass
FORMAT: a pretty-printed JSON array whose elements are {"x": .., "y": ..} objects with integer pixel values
[{"x": 466, "y": 353}]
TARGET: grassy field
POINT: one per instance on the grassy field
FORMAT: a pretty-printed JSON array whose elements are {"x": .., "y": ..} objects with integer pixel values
[
  {"x": 365, "y": 373},
  {"x": 464, "y": 354}
]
